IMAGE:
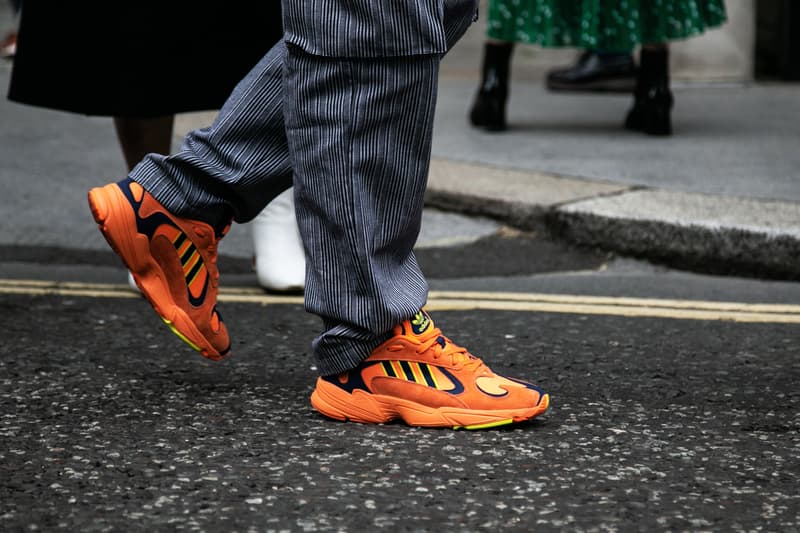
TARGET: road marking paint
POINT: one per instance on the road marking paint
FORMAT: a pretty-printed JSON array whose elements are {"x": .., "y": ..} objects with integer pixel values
[
  {"x": 472, "y": 300},
  {"x": 618, "y": 301},
  {"x": 613, "y": 310},
  {"x": 110, "y": 290}
]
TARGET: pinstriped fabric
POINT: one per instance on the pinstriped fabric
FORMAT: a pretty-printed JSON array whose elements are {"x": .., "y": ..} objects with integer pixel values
[
  {"x": 366, "y": 28},
  {"x": 369, "y": 125},
  {"x": 459, "y": 15},
  {"x": 235, "y": 166},
  {"x": 356, "y": 133}
]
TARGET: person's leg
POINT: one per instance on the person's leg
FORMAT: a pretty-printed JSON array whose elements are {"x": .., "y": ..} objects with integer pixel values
[
  {"x": 489, "y": 108},
  {"x": 279, "y": 260},
  {"x": 360, "y": 136},
  {"x": 652, "y": 100},
  {"x": 141, "y": 136},
  {"x": 166, "y": 218},
  {"x": 234, "y": 167}
]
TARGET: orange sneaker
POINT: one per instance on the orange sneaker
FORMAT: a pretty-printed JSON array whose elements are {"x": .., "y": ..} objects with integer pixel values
[
  {"x": 172, "y": 259},
  {"x": 421, "y": 377}
]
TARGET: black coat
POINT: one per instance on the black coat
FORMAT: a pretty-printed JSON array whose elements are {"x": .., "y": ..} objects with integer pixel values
[{"x": 141, "y": 58}]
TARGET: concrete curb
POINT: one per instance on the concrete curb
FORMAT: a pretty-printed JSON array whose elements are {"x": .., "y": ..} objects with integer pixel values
[{"x": 718, "y": 234}]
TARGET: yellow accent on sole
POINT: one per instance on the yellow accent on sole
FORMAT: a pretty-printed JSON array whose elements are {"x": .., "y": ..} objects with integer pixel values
[
  {"x": 180, "y": 335},
  {"x": 487, "y": 425},
  {"x": 544, "y": 403}
]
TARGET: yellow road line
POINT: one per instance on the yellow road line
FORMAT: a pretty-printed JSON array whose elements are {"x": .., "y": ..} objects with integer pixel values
[
  {"x": 110, "y": 290},
  {"x": 617, "y": 301},
  {"x": 470, "y": 300},
  {"x": 614, "y": 310}
]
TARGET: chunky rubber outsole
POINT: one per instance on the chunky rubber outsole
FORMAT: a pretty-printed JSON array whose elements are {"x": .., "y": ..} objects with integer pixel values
[
  {"x": 113, "y": 215},
  {"x": 364, "y": 407}
]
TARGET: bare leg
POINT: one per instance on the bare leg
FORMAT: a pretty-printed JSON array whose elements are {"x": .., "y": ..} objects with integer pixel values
[
  {"x": 141, "y": 136},
  {"x": 652, "y": 100}
]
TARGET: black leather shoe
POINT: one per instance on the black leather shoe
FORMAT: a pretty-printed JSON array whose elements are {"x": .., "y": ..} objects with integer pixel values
[{"x": 595, "y": 72}]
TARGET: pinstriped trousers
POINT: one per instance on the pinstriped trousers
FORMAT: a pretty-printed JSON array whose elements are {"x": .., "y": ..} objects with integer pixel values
[{"x": 354, "y": 137}]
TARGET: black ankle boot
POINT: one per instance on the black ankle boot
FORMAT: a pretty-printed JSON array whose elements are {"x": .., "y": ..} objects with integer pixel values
[
  {"x": 489, "y": 109},
  {"x": 652, "y": 103}
]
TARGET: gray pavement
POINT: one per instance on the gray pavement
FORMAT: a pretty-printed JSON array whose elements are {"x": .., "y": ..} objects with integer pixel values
[{"x": 677, "y": 425}]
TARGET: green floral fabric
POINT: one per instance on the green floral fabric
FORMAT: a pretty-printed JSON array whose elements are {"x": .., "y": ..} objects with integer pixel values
[{"x": 609, "y": 25}]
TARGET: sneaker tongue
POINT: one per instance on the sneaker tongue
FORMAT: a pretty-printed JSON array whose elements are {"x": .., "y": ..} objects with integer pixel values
[{"x": 419, "y": 326}]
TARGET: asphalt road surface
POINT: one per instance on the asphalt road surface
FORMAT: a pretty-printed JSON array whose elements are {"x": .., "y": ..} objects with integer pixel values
[{"x": 674, "y": 409}]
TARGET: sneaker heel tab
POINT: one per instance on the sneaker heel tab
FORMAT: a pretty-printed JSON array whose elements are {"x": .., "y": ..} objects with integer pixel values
[
  {"x": 131, "y": 189},
  {"x": 136, "y": 190}
]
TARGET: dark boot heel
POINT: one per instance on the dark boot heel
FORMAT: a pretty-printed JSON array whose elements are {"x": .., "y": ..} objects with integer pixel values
[
  {"x": 489, "y": 111},
  {"x": 635, "y": 118},
  {"x": 652, "y": 99},
  {"x": 657, "y": 111}
]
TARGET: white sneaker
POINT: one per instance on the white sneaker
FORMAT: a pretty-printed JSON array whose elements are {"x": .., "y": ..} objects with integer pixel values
[
  {"x": 132, "y": 283},
  {"x": 280, "y": 261}
]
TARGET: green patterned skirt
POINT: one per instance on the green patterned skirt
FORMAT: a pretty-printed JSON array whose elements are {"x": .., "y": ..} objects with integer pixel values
[{"x": 608, "y": 25}]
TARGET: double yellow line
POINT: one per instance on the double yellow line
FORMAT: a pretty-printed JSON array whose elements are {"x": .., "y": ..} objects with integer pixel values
[
  {"x": 470, "y": 300},
  {"x": 617, "y": 306}
]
